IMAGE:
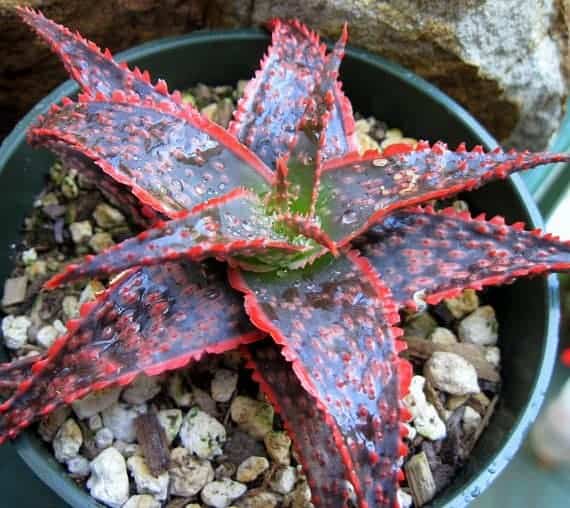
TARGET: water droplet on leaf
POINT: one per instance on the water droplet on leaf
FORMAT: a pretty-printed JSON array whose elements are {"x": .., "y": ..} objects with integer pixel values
[
  {"x": 349, "y": 217},
  {"x": 212, "y": 294},
  {"x": 178, "y": 185}
]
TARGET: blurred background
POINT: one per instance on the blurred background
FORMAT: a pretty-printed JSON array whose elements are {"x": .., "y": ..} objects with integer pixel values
[{"x": 506, "y": 61}]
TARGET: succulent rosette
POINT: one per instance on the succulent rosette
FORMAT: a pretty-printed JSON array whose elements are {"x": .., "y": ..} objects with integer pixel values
[{"x": 323, "y": 246}]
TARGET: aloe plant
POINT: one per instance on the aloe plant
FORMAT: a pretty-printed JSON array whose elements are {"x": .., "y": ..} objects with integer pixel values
[{"x": 324, "y": 247}]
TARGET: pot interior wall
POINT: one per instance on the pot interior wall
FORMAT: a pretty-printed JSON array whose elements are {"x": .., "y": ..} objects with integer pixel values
[{"x": 523, "y": 308}]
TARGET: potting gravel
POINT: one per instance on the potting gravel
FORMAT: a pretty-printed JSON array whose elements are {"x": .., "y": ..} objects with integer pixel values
[{"x": 224, "y": 444}]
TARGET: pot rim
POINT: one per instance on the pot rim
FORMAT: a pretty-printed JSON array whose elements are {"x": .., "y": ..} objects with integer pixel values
[{"x": 27, "y": 444}]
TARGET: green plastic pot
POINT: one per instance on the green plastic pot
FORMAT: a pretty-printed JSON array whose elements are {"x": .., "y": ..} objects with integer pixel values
[{"x": 528, "y": 311}]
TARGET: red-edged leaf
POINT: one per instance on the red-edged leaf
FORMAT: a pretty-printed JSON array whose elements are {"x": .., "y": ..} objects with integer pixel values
[
  {"x": 232, "y": 225},
  {"x": 334, "y": 321},
  {"x": 273, "y": 101},
  {"x": 94, "y": 70},
  {"x": 308, "y": 426},
  {"x": 341, "y": 130},
  {"x": 172, "y": 160},
  {"x": 358, "y": 191},
  {"x": 422, "y": 253},
  {"x": 151, "y": 320},
  {"x": 14, "y": 372},
  {"x": 304, "y": 160}
]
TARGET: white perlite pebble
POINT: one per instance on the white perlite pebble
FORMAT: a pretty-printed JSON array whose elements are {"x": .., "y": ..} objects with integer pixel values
[
  {"x": 278, "y": 446},
  {"x": 108, "y": 217},
  {"x": 223, "y": 385},
  {"x": 36, "y": 269},
  {"x": 46, "y": 336},
  {"x": 493, "y": 356},
  {"x": 70, "y": 306},
  {"x": 104, "y": 438},
  {"x": 251, "y": 468},
  {"x": 29, "y": 256},
  {"x": 253, "y": 416},
  {"x": 109, "y": 482},
  {"x": 188, "y": 475},
  {"x": 404, "y": 499},
  {"x": 101, "y": 241},
  {"x": 425, "y": 417},
  {"x": 90, "y": 291},
  {"x": 142, "y": 501},
  {"x": 15, "y": 331},
  {"x": 301, "y": 496},
  {"x": 264, "y": 500},
  {"x": 60, "y": 327},
  {"x": 451, "y": 373},
  {"x": 220, "y": 494},
  {"x": 463, "y": 304},
  {"x": 95, "y": 422},
  {"x": 171, "y": 421},
  {"x": 480, "y": 327},
  {"x": 127, "y": 449},
  {"x": 78, "y": 466},
  {"x": 67, "y": 441},
  {"x": 145, "y": 482},
  {"x": 96, "y": 402},
  {"x": 142, "y": 389},
  {"x": 201, "y": 434},
  {"x": 419, "y": 325},
  {"x": 429, "y": 424},
  {"x": 443, "y": 336},
  {"x": 283, "y": 480},
  {"x": 471, "y": 420},
  {"x": 81, "y": 231},
  {"x": 120, "y": 418}
]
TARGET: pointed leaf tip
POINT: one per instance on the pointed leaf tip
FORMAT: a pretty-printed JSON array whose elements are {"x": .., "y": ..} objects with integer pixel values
[
  {"x": 438, "y": 254},
  {"x": 369, "y": 188},
  {"x": 151, "y": 320},
  {"x": 94, "y": 69},
  {"x": 222, "y": 228},
  {"x": 323, "y": 317},
  {"x": 195, "y": 172},
  {"x": 293, "y": 64}
]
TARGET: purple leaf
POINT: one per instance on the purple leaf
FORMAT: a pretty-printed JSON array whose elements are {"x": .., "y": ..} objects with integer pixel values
[
  {"x": 422, "y": 252},
  {"x": 172, "y": 160},
  {"x": 14, "y": 372},
  {"x": 273, "y": 102},
  {"x": 306, "y": 154},
  {"x": 94, "y": 70},
  {"x": 335, "y": 322},
  {"x": 151, "y": 320},
  {"x": 357, "y": 192},
  {"x": 305, "y": 422},
  {"x": 234, "y": 224}
]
